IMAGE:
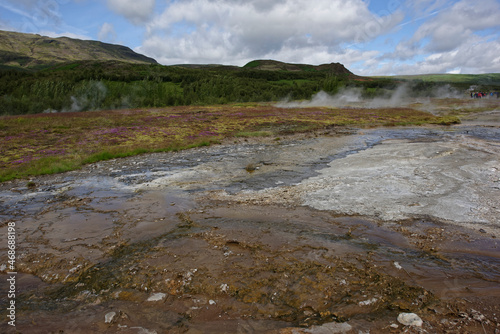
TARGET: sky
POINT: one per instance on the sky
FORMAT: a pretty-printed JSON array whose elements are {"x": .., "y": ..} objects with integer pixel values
[{"x": 370, "y": 37}]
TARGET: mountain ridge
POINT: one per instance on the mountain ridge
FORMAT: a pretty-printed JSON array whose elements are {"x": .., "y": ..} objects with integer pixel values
[{"x": 36, "y": 51}]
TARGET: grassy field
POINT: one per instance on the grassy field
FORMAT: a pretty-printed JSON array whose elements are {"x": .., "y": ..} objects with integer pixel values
[
  {"x": 477, "y": 79},
  {"x": 51, "y": 143}
]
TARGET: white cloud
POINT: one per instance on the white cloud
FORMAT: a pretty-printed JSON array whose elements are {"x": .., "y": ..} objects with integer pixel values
[
  {"x": 456, "y": 70},
  {"x": 455, "y": 25},
  {"x": 137, "y": 12},
  {"x": 210, "y": 31},
  {"x": 107, "y": 33},
  {"x": 479, "y": 55},
  {"x": 457, "y": 36}
]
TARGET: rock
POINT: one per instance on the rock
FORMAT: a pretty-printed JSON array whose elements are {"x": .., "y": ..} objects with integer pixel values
[
  {"x": 368, "y": 302},
  {"x": 109, "y": 317},
  {"x": 477, "y": 316},
  {"x": 155, "y": 297},
  {"x": 410, "y": 319}
]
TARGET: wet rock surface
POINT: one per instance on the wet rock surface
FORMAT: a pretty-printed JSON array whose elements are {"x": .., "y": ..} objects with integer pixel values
[
  {"x": 453, "y": 178},
  {"x": 338, "y": 232}
]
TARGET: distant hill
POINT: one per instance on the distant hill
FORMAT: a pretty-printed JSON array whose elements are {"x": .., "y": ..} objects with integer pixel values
[
  {"x": 35, "y": 51},
  {"x": 274, "y": 65},
  {"x": 473, "y": 79}
]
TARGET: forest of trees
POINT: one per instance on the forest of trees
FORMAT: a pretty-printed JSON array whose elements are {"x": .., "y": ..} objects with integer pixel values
[{"x": 88, "y": 86}]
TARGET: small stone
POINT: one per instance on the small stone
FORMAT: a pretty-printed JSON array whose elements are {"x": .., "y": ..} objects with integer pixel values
[
  {"x": 368, "y": 302},
  {"x": 410, "y": 319},
  {"x": 211, "y": 302},
  {"x": 155, "y": 297},
  {"x": 394, "y": 326},
  {"x": 109, "y": 317}
]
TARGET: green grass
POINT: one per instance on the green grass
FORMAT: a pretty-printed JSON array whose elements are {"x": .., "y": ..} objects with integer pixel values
[{"x": 43, "y": 166}]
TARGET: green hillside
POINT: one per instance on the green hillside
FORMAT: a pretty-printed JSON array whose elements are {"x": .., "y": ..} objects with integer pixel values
[
  {"x": 274, "y": 65},
  {"x": 35, "y": 51}
]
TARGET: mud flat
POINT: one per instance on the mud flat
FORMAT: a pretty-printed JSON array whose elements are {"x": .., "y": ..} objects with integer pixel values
[{"x": 337, "y": 232}]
